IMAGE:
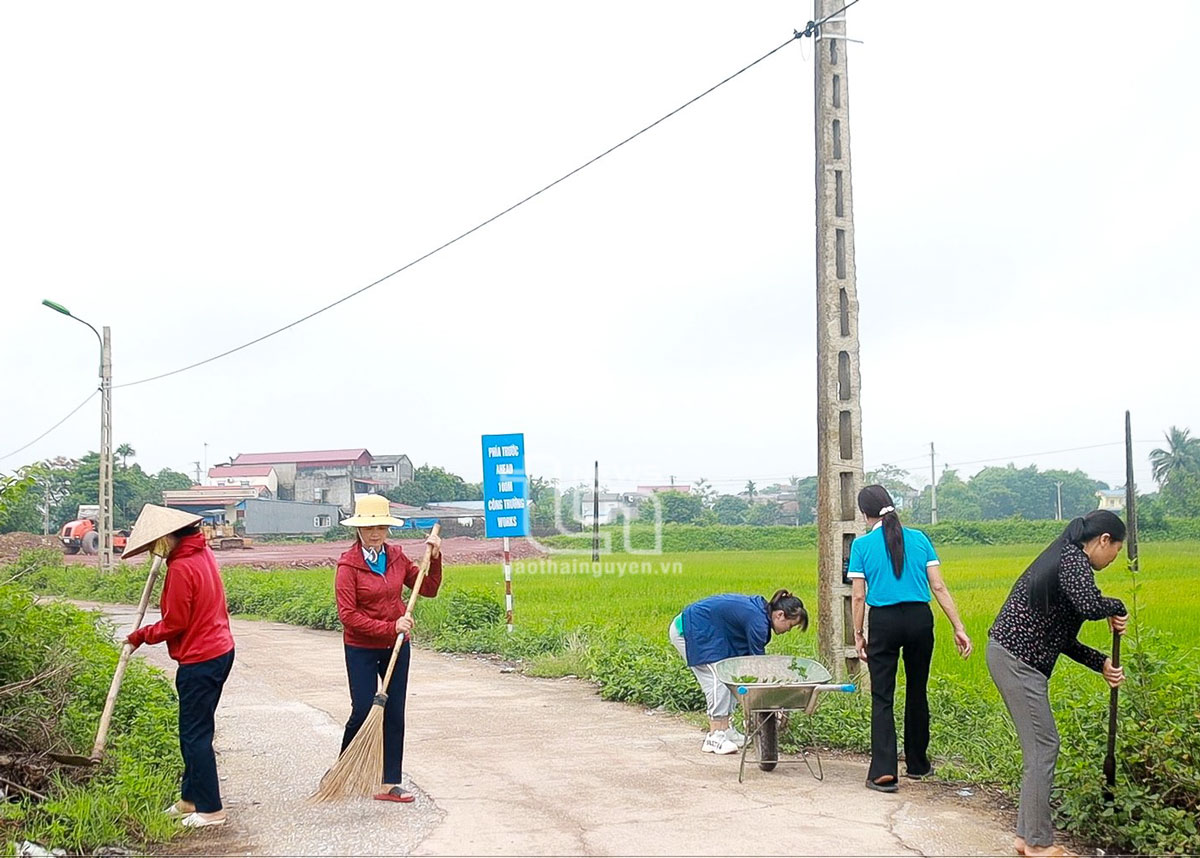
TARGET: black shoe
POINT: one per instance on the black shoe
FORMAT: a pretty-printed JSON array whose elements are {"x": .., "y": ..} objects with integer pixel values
[
  {"x": 920, "y": 776},
  {"x": 890, "y": 786}
]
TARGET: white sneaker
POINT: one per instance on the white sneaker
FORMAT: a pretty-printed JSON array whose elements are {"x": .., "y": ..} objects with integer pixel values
[
  {"x": 199, "y": 820},
  {"x": 733, "y": 735},
  {"x": 716, "y": 743}
]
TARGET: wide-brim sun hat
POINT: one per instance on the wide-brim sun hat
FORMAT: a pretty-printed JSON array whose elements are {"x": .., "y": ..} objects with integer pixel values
[
  {"x": 372, "y": 511},
  {"x": 153, "y": 523}
]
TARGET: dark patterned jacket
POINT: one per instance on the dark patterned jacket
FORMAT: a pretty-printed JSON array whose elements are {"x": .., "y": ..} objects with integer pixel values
[{"x": 1042, "y": 616}]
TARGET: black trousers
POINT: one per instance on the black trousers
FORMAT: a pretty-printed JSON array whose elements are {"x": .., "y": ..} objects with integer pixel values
[
  {"x": 199, "y": 686},
  {"x": 899, "y": 631},
  {"x": 365, "y": 667}
]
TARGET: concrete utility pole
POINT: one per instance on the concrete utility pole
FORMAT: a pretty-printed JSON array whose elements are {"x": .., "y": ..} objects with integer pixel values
[
  {"x": 1058, "y": 492},
  {"x": 106, "y": 454},
  {"x": 932, "y": 485},
  {"x": 839, "y": 409},
  {"x": 105, "y": 524}
]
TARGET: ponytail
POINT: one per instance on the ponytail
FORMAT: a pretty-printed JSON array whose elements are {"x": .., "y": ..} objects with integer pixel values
[
  {"x": 1042, "y": 573},
  {"x": 1095, "y": 523},
  {"x": 792, "y": 607},
  {"x": 875, "y": 502}
]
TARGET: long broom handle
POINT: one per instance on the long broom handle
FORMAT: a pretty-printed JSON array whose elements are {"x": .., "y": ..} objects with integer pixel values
[
  {"x": 110, "y": 702},
  {"x": 412, "y": 602}
]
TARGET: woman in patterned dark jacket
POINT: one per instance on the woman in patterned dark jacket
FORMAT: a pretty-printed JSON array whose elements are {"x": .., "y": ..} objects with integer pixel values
[{"x": 1039, "y": 621}]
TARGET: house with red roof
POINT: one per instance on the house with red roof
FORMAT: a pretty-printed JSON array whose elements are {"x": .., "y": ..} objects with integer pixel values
[{"x": 330, "y": 476}]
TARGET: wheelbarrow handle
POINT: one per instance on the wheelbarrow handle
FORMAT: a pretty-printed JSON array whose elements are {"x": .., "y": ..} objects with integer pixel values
[{"x": 849, "y": 687}]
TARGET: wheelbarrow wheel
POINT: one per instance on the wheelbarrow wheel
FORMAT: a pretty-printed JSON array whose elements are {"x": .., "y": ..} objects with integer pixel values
[{"x": 768, "y": 740}]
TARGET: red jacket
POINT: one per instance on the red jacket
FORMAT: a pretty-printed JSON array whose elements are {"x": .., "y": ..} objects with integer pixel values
[
  {"x": 195, "y": 618},
  {"x": 369, "y": 603}
]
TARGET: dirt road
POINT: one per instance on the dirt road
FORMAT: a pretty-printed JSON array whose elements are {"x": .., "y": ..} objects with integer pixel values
[{"x": 506, "y": 764}]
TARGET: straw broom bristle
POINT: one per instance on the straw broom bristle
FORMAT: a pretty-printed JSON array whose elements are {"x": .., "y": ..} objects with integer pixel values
[{"x": 359, "y": 769}]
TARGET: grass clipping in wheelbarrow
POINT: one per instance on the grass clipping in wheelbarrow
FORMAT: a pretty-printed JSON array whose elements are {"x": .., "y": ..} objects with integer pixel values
[{"x": 797, "y": 671}]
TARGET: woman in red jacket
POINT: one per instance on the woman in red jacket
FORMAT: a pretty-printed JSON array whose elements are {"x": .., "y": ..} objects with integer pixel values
[
  {"x": 369, "y": 588},
  {"x": 195, "y": 626}
]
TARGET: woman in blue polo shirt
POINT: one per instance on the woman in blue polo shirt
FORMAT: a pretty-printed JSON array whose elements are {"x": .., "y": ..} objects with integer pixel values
[
  {"x": 721, "y": 627},
  {"x": 893, "y": 569}
]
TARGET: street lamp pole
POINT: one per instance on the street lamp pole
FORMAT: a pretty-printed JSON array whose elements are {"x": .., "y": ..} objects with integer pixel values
[{"x": 105, "y": 524}]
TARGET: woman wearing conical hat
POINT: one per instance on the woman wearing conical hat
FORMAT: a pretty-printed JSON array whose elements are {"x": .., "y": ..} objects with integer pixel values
[
  {"x": 369, "y": 585},
  {"x": 195, "y": 627}
]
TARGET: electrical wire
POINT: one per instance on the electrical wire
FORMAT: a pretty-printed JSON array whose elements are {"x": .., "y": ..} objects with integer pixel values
[
  {"x": 809, "y": 30},
  {"x": 52, "y": 428},
  {"x": 1042, "y": 453}
]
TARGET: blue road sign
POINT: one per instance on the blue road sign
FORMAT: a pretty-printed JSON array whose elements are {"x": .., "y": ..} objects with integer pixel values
[{"x": 505, "y": 486}]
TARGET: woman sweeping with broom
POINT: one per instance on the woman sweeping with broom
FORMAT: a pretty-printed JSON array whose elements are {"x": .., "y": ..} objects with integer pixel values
[{"x": 369, "y": 589}]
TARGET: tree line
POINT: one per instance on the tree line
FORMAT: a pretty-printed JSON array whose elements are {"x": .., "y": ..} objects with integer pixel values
[
  {"x": 991, "y": 494},
  {"x": 52, "y": 491}
]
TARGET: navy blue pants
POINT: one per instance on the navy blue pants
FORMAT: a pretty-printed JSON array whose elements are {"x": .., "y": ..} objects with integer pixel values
[
  {"x": 900, "y": 631},
  {"x": 199, "y": 686},
  {"x": 365, "y": 667}
]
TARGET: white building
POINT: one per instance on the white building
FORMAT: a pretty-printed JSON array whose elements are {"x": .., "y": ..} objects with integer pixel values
[{"x": 1113, "y": 499}]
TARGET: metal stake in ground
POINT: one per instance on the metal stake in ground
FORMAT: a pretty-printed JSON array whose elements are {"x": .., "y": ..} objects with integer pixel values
[
  {"x": 1110, "y": 757},
  {"x": 359, "y": 770}
]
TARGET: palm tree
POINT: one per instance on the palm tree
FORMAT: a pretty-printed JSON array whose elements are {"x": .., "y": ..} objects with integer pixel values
[
  {"x": 1182, "y": 456},
  {"x": 125, "y": 451},
  {"x": 751, "y": 490}
]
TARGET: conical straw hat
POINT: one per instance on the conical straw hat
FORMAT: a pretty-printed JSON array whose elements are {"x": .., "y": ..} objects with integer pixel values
[
  {"x": 372, "y": 510},
  {"x": 154, "y": 523}
]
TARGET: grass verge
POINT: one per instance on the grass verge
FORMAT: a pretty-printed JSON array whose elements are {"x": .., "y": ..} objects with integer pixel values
[{"x": 56, "y": 663}]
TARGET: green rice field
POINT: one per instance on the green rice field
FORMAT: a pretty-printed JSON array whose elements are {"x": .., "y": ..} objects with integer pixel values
[{"x": 979, "y": 578}]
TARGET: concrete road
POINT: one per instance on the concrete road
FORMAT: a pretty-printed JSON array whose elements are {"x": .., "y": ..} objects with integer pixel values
[{"x": 504, "y": 764}]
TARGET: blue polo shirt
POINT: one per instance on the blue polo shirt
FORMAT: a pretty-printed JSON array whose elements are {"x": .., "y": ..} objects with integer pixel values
[{"x": 869, "y": 559}]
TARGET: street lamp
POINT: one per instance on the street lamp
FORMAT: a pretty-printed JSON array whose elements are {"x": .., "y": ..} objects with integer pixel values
[{"x": 106, "y": 466}]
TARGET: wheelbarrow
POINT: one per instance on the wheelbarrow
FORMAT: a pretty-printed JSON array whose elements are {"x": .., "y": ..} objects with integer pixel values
[{"x": 768, "y": 687}]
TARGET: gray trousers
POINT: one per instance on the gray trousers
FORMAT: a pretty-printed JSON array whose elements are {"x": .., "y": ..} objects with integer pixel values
[
  {"x": 719, "y": 700},
  {"x": 1026, "y": 695}
]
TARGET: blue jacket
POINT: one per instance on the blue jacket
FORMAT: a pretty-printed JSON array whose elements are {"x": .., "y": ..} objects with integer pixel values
[{"x": 721, "y": 627}]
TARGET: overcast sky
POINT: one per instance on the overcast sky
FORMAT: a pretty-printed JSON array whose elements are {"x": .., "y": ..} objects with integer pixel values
[{"x": 1025, "y": 196}]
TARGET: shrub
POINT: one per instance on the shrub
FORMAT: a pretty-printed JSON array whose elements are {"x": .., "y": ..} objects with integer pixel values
[
  {"x": 74, "y": 656},
  {"x": 635, "y": 670},
  {"x": 471, "y": 610},
  {"x": 1156, "y": 801}
]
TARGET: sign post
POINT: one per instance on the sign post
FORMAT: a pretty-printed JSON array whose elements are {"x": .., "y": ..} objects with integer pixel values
[{"x": 505, "y": 500}]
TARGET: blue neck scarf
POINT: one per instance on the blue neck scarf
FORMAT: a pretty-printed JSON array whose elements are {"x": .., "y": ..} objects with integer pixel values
[{"x": 376, "y": 560}]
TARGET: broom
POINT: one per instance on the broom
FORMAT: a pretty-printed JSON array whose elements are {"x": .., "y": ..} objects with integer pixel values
[{"x": 360, "y": 767}]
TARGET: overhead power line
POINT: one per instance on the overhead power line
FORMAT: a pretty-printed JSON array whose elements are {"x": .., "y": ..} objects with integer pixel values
[
  {"x": 70, "y": 414},
  {"x": 1042, "y": 453},
  {"x": 809, "y": 30}
]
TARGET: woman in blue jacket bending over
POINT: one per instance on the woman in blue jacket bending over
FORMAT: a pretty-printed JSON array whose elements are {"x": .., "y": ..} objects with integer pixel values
[{"x": 721, "y": 627}]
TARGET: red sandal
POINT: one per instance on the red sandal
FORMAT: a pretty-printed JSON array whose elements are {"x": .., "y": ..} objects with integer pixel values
[{"x": 395, "y": 794}]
